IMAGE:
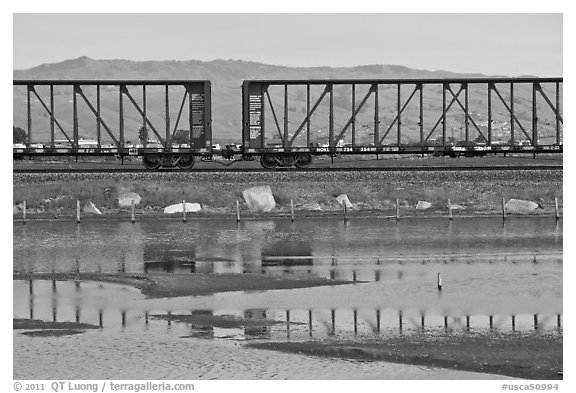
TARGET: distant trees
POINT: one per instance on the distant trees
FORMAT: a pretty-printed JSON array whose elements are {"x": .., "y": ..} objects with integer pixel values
[
  {"x": 143, "y": 135},
  {"x": 181, "y": 137},
  {"x": 20, "y": 135}
]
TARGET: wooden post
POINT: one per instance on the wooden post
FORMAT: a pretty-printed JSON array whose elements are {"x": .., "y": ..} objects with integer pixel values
[
  {"x": 439, "y": 282},
  {"x": 292, "y": 209},
  {"x": 397, "y": 210},
  {"x": 78, "y": 211},
  {"x": 345, "y": 211},
  {"x": 183, "y": 210},
  {"x": 556, "y": 208},
  {"x": 449, "y": 210},
  {"x": 24, "y": 212},
  {"x": 503, "y": 210},
  {"x": 237, "y": 211},
  {"x": 133, "y": 215}
]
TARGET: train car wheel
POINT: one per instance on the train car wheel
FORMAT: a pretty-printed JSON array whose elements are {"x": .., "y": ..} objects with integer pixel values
[
  {"x": 269, "y": 161},
  {"x": 303, "y": 160},
  {"x": 186, "y": 161},
  {"x": 151, "y": 161}
]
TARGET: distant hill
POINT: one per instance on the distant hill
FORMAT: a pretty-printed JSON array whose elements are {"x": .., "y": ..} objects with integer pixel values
[{"x": 226, "y": 77}]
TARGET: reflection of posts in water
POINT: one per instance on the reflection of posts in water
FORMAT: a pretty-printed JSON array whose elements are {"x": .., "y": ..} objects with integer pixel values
[
  {"x": 333, "y": 314},
  {"x": 77, "y": 313},
  {"x": 376, "y": 275},
  {"x": 54, "y": 301},
  {"x": 344, "y": 212},
  {"x": 556, "y": 209},
  {"x": 31, "y": 298},
  {"x": 122, "y": 264}
]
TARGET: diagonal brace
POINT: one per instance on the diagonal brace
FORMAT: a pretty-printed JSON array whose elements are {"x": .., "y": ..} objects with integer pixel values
[
  {"x": 274, "y": 115},
  {"x": 554, "y": 109},
  {"x": 397, "y": 118},
  {"x": 309, "y": 116},
  {"x": 78, "y": 90},
  {"x": 126, "y": 92},
  {"x": 31, "y": 88},
  {"x": 356, "y": 111},
  {"x": 493, "y": 87},
  {"x": 442, "y": 115},
  {"x": 467, "y": 114}
]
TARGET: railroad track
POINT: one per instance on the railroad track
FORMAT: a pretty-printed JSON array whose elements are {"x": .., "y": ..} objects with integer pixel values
[{"x": 325, "y": 169}]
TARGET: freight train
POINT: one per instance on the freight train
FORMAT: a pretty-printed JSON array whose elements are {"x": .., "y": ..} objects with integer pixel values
[{"x": 285, "y": 123}]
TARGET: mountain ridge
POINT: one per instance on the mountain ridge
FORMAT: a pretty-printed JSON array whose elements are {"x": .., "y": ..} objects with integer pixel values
[{"x": 226, "y": 77}]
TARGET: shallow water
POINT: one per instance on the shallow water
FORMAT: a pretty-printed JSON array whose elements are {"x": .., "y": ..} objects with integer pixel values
[{"x": 500, "y": 278}]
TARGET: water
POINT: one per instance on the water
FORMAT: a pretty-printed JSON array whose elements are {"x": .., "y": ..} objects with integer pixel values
[{"x": 499, "y": 278}]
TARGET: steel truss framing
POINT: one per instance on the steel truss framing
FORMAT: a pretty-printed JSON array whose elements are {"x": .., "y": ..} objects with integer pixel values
[
  {"x": 455, "y": 95},
  {"x": 197, "y": 93}
]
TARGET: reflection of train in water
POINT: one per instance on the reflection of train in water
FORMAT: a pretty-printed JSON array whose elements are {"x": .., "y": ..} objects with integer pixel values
[{"x": 285, "y": 123}]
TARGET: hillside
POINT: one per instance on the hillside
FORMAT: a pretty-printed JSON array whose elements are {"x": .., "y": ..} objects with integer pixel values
[{"x": 227, "y": 77}]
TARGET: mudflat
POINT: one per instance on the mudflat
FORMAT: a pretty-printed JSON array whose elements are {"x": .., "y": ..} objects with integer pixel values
[
  {"x": 528, "y": 356},
  {"x": 157, "y": 285}
]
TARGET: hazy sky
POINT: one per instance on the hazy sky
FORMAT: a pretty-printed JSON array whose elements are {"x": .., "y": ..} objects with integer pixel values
[{"x": 493, "y": 44}]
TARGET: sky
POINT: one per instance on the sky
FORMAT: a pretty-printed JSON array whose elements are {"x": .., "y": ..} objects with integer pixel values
[{"x": 491, "y": 44}]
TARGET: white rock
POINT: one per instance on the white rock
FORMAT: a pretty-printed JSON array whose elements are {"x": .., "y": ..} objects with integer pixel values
[
  {"x": 90, "y": 208},
  {"x": 423, "y": 205},
  {"x": 259, "y": 199},
  {"x": 16, "y": 209},
  {"x": 125, "y": 199},
  {"x": 177, "y": 208},
  {"x": 520, "y": 206},
  {"x": 343, "y": 198}
]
